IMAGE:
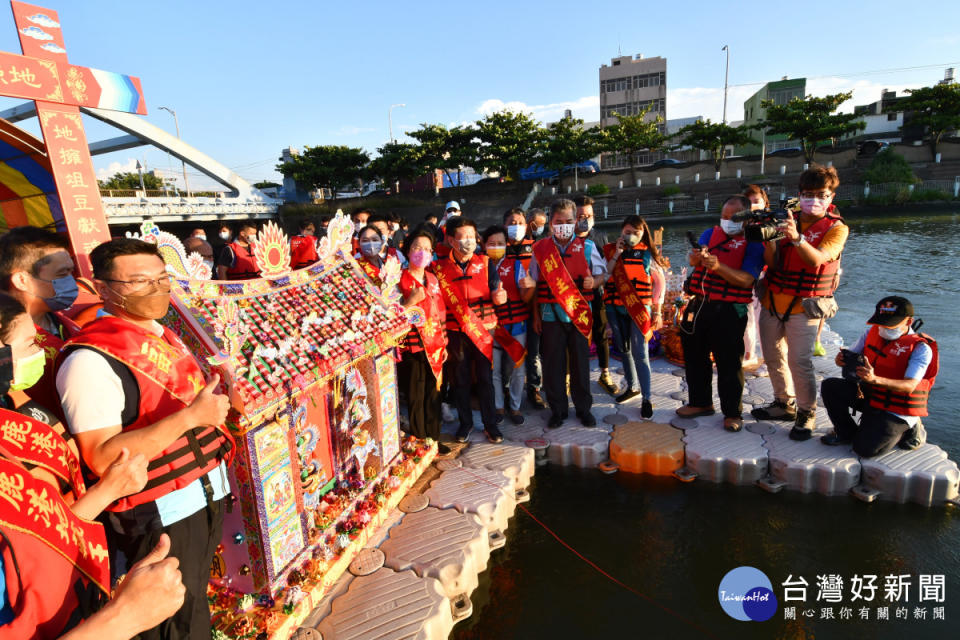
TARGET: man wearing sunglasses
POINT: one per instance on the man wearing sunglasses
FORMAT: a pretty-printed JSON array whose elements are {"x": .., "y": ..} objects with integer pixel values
[
  {"x": 127, "y": 382},
  {"x": 802, "y": 273}
]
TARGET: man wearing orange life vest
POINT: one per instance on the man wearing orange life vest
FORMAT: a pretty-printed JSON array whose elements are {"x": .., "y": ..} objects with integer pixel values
[
  {"x": 125, "y": 381},
  {"x": 36, "y": 269},
  {"x": 895, "y": 379},
  {"x": 725, "y": 268},
  {"x": 566, "y": 269},
  {"x": 237, "y": 261},
  {"x": 471, "y": 288},
  {"x": 801, "y": 277}
]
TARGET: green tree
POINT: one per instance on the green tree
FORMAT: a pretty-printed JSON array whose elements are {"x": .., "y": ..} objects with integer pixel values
[
  {"x": 811, "y": 120},
  {"x": 935, "y": 108},
  {"x": 266, "y": 184},
  {"x": 567, "y": 143},
  {"x": 509, "y": 141},
  {"x": 131, "y": 180},
  {"x": 714, "y": 138},
  {"x": 332, "y": 166},
  {"x": 888, "y": 166},
  {"x": 445, "y": 149},
  {"x": 633, "y": 134},
  {"x": 397, "y": 161}
]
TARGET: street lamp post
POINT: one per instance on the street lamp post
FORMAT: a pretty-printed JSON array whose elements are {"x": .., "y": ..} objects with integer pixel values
[
  {"x": 726, "y": 77},
  {"x": 140, "y": 173},
  {"x": 176, "y": 122},
  {"x": 390, "y": 118}
]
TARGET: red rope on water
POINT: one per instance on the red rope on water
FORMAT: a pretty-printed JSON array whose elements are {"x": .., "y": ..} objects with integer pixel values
[{"x": 597, "y": 568}]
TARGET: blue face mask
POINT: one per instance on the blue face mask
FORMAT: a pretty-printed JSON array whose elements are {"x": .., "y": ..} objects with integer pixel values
[{"x": 65, "y": 292}]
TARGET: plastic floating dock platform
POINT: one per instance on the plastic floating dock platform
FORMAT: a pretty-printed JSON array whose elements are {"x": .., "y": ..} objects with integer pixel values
[
  {"x": 489, "y": 494},
  {"x": 580, "y": 446},
  {"x": 514, "y": 460},
  {"x": 389, "y": 605},
  {"x": 718, "y": 455},
  {"x": 647, "y": 447},
  {"x": 924, "y": 476},
  {"x": 810, "y": 466}
]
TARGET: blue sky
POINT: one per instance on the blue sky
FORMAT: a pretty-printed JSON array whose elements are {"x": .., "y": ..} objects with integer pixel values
[{"x": 249, "y": 78}]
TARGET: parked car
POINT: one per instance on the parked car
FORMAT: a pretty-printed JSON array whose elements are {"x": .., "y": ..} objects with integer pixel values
[
  {"x": 786, "y": 151},
  {"x": 871, "y": 147},
  {"x": 666, "y": 162}
]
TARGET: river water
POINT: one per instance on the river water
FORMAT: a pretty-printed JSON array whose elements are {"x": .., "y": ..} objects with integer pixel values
[{"x": 672, "y": 543}]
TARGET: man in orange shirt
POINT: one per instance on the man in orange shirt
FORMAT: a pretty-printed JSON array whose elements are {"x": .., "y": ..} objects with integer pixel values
[{"x": 802, "y": 272}]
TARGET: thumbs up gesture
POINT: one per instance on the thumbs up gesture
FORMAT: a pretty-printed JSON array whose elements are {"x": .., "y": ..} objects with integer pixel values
[
  {"x": 526, "y": 282},
  {"x": 209, "y": 408},
  {"x": 499, "y": 295},
  {"x": 152, "y": 590}
]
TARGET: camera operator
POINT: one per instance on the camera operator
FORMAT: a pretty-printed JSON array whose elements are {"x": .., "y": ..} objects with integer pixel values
[
  {"x": 801, "y": 277},
  {"x": 895, "y": 370},
  {"x": 726, "y": 266}
]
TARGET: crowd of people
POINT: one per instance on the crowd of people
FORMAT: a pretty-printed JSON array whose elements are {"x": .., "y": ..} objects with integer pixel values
[{"x": 113, "y": 449}]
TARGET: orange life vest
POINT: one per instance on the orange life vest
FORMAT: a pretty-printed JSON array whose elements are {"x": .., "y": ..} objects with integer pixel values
[
  {"x": 169, "y": 378},
  {"x": 244, "y": 263},
  {"x": 522, "y": 251},
  {"x": 303, "y": 251},
  {"x": 795, "y": 277},
  {"x": 889, "y": 359},
  {"x": 514, "y": 310},
  {"x": 473, "y": 285},
  {"x": 632, "y": 260},
  {"x": 730, "y": 251}
]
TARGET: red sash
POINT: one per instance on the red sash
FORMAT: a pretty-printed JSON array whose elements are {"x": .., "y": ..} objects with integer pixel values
[
  {"x": 30, "y": 506},
  {"x": 457, "y": 304},
  {"x": 27, "y": 440},
  {"x": 372, "y": 270},
  {"x": 564, "y": 289},
  {"x": 431, "y": 333},
  {"x": 511, "y": 345},
  {"x": 631, "y": 301}
]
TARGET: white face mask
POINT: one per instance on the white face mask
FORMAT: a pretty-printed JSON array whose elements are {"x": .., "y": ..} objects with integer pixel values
[
  {"x": 814, "y": 206},
  {"x": 562, "y": 232},
  {"x": 730, "y": 227},
  {"x": 224, "y": 235},
  {"x": 888, "y": 333},
  {"x": 516, "y": 232},
  {"x": 357, "y": 226}
]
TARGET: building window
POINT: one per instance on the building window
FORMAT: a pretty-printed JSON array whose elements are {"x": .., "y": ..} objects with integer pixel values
[{"x": 891, "y": 117}]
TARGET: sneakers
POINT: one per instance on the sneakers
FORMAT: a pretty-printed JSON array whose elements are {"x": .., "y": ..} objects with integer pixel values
[
  {"x": 463, "y": 433},
  {"x": 646, "y": 409},
  {"x": 606, "y": 381},
  {"x": 803, "y": 427},
  {"x": 818, "y": 349},
  {"x": 776, "y": 410},
  {"x": 493, "y": 434},
  {"x": 588, "y": 420},
  {"x": 627, "y": 395},
  {"x": 832, "y": 440},
  {"x": 446, "y": 412},
  {"x": 913, "y": 438},
  {"x": 533, "y": 395},
  {"x": 500, "y": 417},
  {"x": 516, "y": 417}
]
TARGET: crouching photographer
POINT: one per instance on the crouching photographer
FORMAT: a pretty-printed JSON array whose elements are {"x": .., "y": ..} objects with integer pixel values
[{"x": 887, "y": 377}]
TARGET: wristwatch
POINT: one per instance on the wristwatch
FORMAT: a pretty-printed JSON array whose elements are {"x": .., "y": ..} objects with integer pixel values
[{"x": 800, "y": 241}]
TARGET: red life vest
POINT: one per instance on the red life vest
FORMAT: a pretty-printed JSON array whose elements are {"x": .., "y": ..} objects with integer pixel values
[
  {"x": 575, "y": 261},
  {"x": 244, "y": 263},
  {"x": 889, "y": 359},
  {"x": 442, "y": 250},
  {"x": 169, "y": 378},
  {"x": 474, "y": 287},
  {"x": 55, "y": 564},
  {"x": 795, "y": 277},
  {"x": 303, "y": 251},
  {"x": 730, "y": 251},
  {"x": 514, "y": 309},
  {"x": 632, "y": 260},
  {"x": 522, "y": 251}
]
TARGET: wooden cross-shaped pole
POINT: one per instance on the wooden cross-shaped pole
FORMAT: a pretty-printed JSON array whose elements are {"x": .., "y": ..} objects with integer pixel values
[{"x": 44, "y": 75}]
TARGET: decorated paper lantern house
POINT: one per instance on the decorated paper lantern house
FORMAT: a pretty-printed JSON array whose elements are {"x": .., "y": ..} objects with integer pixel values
[{"x": 308, "y": 359}]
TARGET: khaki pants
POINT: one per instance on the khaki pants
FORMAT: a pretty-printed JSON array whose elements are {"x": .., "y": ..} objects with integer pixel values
[{"x": 788, "y": 353}]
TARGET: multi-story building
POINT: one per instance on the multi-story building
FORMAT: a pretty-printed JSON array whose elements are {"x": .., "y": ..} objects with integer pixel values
[
  {"x": 781, "y": 92},
  {"x": 628, "y": 86}
]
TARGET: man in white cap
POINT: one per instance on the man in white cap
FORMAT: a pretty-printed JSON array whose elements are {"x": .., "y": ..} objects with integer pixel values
[{"x": 452, "y": 210}]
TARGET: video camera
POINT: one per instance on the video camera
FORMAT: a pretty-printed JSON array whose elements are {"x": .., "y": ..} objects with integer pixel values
[
  {"x": 851, "y": 361},
  {"x": 764, "y": 226}
]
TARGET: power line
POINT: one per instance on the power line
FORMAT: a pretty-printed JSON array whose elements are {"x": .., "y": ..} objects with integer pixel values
[{"x": 861, "y": 73}]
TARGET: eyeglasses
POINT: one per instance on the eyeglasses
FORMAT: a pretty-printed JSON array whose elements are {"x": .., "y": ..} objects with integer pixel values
[
  {"x": 163, "y": 282},
  {"x": 820, "y": 195}
]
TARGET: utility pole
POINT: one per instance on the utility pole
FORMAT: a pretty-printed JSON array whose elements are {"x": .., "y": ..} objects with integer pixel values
[
  {"x": 176, "y": 122},
  {"x": 726, "y": 77}
]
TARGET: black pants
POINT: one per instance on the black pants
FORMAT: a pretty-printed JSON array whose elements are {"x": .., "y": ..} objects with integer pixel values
[
  {"x": 718, "y": 330},
  {"x": 534, "y": 369},
  {"x": 423, "y": 397},
  {"x": 599, "y": 330},
  {"x": 561, "y": 344},
  {"x": 468, "y": 362},
  {"x": 878, "y": 432},
  {"x": 193, "y": 542}
]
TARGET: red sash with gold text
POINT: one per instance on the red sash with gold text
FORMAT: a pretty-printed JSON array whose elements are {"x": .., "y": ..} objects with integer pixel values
[
  {"x": 511, "y": 345},
  {"x": 467, "y": 319},
  {"x": 631, "y": 301},
  {"x": 38, "y": 444},
  {"x": 564, "y": 289},
  {"x": 431, "y": 329}
]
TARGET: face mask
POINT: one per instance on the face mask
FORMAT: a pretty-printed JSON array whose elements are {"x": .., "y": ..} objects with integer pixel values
[
  {"x": 308, "y": 233},
  {"x": 495, "y": 253},
  {"x": 370, "y": 248},
  {"x": 515, "y": 232},
  {"x": 730, "y": 227},
  {"x": 468, "y": 245},
  {"x": 890, "y": 334},
  {"x": 563, "y": 232},
  {"x": 536, "y": 232},
  {"x": 584, "y": 225},
  {"x": 224, "y": 235},
  {"x": 813, "y": 205},
  {"x": 151, "y": 306},
  {"x": 65, "y": 292},
  {"x": 394, "y": 227},
  {"x": 631, "y": 240},
  {"x": 421, "y": 258},
  {"x": 201, "y": 236},
  {"x": 26, "y": 371}
]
